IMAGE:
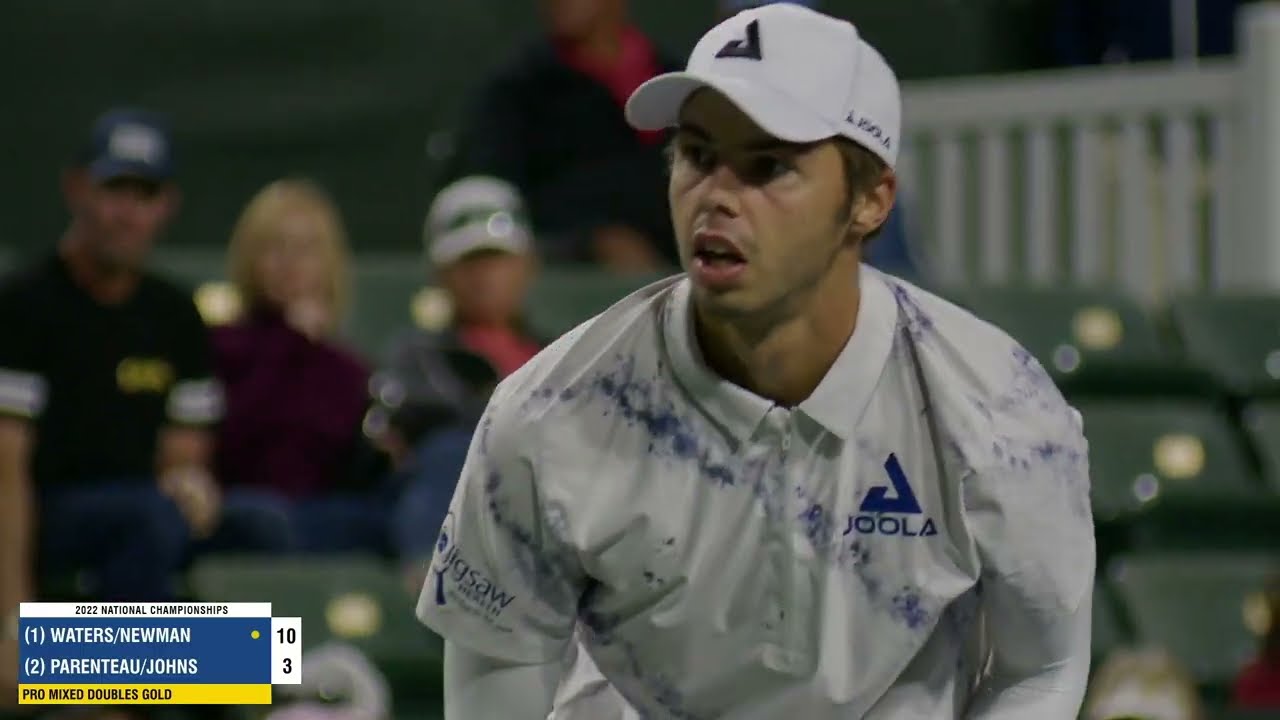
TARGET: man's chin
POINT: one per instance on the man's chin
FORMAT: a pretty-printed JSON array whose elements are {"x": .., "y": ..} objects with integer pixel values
[
  {"x": 725, "y": 303},
  {"x": 119, "y": 263}
]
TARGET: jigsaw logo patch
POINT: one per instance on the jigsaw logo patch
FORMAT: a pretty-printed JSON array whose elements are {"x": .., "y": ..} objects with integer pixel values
[{"x": 458, "y": 581}]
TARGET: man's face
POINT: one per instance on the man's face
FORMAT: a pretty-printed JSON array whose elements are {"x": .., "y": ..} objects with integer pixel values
[
  {"x": 120, "y": 217},
  {"x": 488, "y": 287},
  {"x": 758, "y": 221},
  {"x": 573, "y": 19}
]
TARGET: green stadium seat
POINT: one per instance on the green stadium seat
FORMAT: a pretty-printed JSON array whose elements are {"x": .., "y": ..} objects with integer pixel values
[
  {"x": 1108, "y": 629},
  {"x": 1093, "y": 342},
  {"x": 1262, "y": 423},
  {"x": 354, "y": 599},
  {"x": 191, "y": 267},
  {"x": 1205, "y": 608},
  {"x": 1174, "y": 474},
  {"x": 564, "y": 297},
  {"x": 1235, "y": 337},
  {"x": 383, "y": 291}
]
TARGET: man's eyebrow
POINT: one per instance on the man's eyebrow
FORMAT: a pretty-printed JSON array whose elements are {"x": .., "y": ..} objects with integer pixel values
[
  {"x": 763, "y": 145},
  {"x": 694, "y": 130}
]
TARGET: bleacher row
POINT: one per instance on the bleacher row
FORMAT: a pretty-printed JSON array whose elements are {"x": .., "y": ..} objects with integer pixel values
[{"x": 1181, "y": 407}]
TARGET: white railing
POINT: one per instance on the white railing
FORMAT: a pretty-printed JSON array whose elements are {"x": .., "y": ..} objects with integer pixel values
[{"x": 1148, "y": 178}]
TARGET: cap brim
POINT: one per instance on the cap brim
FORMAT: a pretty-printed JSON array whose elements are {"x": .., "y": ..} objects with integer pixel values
[
  {"x": 112, "y": 169},
  {"x": 656, "y": 105},
  {"x": 465, "y": 241}
]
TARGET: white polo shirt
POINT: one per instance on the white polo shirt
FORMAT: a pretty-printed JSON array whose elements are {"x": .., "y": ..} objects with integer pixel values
[{"x": 724, "y": 557}]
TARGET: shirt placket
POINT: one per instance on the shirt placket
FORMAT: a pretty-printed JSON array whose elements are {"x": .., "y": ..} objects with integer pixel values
[{"x": 790, "y": 591}]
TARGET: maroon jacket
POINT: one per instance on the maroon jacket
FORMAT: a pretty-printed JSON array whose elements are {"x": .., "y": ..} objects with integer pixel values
[{"x": 294, "y": 408}]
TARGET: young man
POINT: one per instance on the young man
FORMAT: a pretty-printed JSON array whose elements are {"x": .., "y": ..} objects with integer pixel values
[{"x": 785, "y": 484}]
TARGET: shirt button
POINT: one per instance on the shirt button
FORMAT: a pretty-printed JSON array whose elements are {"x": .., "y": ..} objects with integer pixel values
[{"x": 786, "y": 441}]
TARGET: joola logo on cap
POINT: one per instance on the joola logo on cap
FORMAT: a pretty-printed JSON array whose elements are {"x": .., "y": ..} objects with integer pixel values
[
  {"x": 870, "y": 127},
  {"x": 748, "y": 47}
]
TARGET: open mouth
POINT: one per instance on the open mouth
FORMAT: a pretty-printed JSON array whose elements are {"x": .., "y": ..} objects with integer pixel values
[
  {"x": 717, "y": 261},
  {"x": 716, "y": 251}
]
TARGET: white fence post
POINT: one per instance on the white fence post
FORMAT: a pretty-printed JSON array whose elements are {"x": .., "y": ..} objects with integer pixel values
[{"x": 1249, "y": 258}]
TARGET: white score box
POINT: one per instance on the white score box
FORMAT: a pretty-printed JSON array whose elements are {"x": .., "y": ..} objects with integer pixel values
[{"x": 286, "y": 651}]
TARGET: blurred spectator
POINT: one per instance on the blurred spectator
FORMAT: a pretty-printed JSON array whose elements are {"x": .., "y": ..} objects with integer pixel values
[
  {"x": 1258, "y": 686},
  {"x": 1148, "y": 684},
  {"x": 1091, "y": 32},
  {"x": 480, "y": 247},
  {"x": 551, "y": 123},
  {"x": 291, "y": 439},
  {"x": 106, "y": 387}
]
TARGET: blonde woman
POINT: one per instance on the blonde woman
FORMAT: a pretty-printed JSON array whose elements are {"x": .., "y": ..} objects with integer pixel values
[{"x": 295, "y": 395}]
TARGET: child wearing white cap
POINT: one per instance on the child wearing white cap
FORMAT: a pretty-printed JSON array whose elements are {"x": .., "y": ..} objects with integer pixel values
[{"x": 783, "y": 484}]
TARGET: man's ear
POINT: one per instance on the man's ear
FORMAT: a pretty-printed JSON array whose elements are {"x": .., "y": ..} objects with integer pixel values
[{"x": 872, "y": 209}]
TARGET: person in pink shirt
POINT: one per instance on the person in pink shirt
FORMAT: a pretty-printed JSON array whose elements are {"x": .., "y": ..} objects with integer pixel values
[{"x": 480, "y": 247}]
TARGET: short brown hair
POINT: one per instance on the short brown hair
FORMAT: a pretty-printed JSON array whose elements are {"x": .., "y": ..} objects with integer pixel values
[{"x": 862, "y": 172}]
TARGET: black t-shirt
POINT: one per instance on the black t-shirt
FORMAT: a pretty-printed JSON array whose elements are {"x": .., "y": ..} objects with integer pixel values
[{"x": 100, "y": 381}]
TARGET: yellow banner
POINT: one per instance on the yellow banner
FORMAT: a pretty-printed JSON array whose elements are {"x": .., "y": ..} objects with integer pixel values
[{"x": 144, "y": 694}]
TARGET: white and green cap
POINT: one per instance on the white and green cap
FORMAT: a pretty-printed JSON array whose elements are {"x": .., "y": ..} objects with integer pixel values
[{"x": 476, "y": 213}]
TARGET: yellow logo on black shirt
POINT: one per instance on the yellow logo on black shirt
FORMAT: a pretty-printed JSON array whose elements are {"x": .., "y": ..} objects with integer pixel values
[{"x": 144, "y": 375}]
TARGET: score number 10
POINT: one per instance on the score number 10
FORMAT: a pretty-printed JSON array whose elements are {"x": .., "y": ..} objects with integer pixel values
[{"x": 286, "y": 651}]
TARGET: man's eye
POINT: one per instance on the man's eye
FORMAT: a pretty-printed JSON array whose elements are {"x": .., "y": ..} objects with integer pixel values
[
  {"x": 698, "y": 156},
  {"x": 763, "y": 168}
]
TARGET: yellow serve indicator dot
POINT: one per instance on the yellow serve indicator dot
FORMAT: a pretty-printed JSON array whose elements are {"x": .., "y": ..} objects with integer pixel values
[{"x": 255, "y": 634}]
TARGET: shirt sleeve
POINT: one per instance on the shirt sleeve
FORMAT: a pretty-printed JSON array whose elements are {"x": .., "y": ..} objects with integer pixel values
[
  {"x": 24, "y": 385},
  {"x": 195, "y": 399},
  {"x": 501, "y": 583},
  {"x": 1029, "y": 513}
]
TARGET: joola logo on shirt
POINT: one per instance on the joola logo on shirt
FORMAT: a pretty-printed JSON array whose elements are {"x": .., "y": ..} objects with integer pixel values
[
  {"x": 456, "y": 580},
  {"x": 899, "y": 514}
]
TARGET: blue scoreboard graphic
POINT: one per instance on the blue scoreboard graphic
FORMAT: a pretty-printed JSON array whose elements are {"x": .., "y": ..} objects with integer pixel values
[{"x": 155, "y": 653}]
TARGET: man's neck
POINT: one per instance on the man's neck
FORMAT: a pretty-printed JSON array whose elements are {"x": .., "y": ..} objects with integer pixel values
[
  {"x": 104, "y": 285},
  {"x": 785, "y": 361}
]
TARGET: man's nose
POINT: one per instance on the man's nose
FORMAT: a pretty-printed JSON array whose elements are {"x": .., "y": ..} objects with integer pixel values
[{"x": 723, "y": 190}]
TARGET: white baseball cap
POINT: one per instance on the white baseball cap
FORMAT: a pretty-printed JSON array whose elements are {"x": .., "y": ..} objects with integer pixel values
[
  {"x": 801, "y": 75},
  {"x": 476, "y": 213}
]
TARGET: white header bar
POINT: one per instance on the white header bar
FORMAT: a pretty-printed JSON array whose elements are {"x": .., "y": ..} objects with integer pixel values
[{"x": 125, "y": 611}]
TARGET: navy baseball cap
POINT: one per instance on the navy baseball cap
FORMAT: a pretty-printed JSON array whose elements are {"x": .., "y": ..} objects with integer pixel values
[{"x": 132, "y": 143}]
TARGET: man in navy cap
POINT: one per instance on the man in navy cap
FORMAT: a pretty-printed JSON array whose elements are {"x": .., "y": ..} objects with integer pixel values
[{"x": 106, "y": 388}]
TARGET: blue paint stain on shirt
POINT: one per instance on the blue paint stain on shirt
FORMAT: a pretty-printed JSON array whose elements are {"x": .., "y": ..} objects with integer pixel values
[
  {"x": 817, "y": 524},
  {"x": 908, "y": 608},
  {"x": 918, "y": 322}
]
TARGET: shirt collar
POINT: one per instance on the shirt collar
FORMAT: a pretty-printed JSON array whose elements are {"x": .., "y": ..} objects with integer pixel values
[{"x": 839, "y": 400}]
